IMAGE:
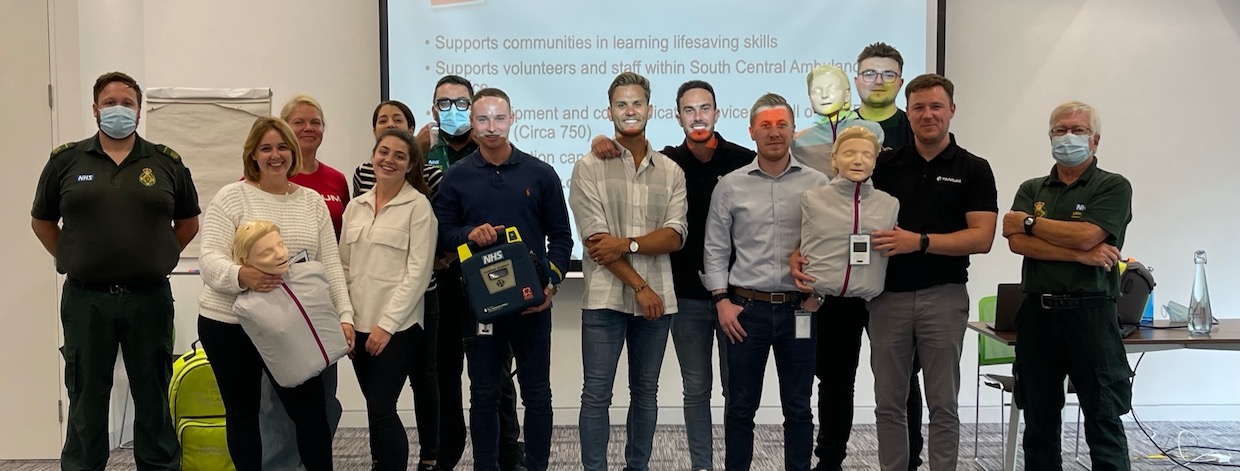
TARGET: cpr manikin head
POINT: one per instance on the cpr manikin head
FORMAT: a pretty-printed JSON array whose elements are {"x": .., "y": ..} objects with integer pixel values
[
  {"x": 829, "y": 92},
  {"x": 854, "y": 154},
  {"x": 259, "y": 245}
]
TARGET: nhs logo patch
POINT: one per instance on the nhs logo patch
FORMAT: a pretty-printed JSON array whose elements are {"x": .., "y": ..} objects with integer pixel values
[
  {"x": 85, "y": 178},
  {"x": 493, "y": 257},
  {"x": 1080, "y": 207}
]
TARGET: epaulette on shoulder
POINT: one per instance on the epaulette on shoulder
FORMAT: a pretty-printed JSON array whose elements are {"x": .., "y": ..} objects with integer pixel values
[
  {"x": 163, "y": 149},
  {"x": 63, "y": 147}
]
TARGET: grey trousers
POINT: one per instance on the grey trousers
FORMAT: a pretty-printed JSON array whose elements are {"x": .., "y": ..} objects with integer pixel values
[{"x": 932, "y": 323}]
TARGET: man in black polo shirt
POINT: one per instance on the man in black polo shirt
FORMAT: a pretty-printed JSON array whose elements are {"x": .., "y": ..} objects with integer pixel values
[
  {"x": 1070, "y": 226},
  {"x": 948, "y": 210},
  {"x": 129, "y": 207}
]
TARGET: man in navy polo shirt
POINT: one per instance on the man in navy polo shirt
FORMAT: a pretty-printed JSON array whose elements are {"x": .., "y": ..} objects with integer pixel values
[{"x": 496, "y": 187}]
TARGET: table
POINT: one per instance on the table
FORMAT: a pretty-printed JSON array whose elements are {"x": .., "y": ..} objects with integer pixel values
[{"x": 1224, "y": 336}]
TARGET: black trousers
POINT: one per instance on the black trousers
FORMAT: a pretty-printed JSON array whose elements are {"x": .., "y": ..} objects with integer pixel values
[
  {"x": 238, "y": 371},
  {"x": 382, "y": 377},
  {"x": 1084, "y": 345},
  {"x": 96, "y": 323},
  {"x": 424, "y": 380},
  {"x": 450, "y": 365},
  {"x": 841, "y": 322}
]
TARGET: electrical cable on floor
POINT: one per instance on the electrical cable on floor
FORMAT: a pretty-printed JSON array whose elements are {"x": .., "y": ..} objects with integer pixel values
[{"x": 1179, "y": 449}]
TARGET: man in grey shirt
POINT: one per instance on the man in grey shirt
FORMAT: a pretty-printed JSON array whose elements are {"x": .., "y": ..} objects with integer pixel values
[
  {"x": 755, "y": 212},
  {"x": 630, "y": 211}
]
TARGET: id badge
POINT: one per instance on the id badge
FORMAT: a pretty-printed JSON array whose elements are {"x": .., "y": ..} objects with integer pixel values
[
  {"x": 804, "y": 324},
  {"x": 484, "y": 330},
  {"x": 859, "y": 249},
  {"x": 302, "y": 256}
]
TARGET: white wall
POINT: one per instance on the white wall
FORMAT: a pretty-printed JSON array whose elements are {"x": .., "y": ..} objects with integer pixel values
[
  {"x": 1160, "y": 74},
  {"x": 1011, "y": 61}
]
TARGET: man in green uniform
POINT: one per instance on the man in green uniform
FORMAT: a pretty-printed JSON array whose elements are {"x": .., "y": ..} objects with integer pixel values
[
  {"x": 1070, "y": 227},
  {"x": 128, "y": 208}
]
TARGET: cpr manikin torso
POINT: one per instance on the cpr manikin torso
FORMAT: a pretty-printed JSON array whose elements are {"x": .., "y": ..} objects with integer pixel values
[
  {"x": 844, "y": 212},
  {"x": 294, "y": 327},
  {"x": 830, "y": 97}
]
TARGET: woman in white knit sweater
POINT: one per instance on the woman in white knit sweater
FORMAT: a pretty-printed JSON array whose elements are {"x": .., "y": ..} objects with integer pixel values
[
  {"x": 387, "y": 248},
  {"x": 271, "y": 156}
]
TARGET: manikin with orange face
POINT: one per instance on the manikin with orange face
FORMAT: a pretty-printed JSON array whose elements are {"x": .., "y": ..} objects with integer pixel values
[
  {"x": 836, "y": 222},
  {"x": 294, "y": 327}
]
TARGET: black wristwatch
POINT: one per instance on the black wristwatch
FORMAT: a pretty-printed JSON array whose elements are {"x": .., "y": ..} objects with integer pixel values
[
  {"x": 718, "y": 297},
  {"x": 1029, "y": 222},
  {"x": 925, "y": 242}
]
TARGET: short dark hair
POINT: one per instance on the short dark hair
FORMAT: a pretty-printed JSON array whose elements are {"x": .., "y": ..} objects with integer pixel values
[
  {"x": 416, "y": 159},
  {"x": 690, "y": 85},
  {"x": 928, "y": 81},
  {"x": 453, "y": 80},
  {"x": 112, "y": 77},
  {"x": 492, "y": 92},
  {"x": 882, "y": 50},
  {"x": 374, "y": 118},
  {"x": 628, "y": 78}
]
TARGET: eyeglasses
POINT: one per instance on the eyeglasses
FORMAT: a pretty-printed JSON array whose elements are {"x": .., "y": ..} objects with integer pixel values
[
  {"x": 444, "y": 104},
  {"x": 1077, "y": 131},
  {"x": 870, "y": 75}
]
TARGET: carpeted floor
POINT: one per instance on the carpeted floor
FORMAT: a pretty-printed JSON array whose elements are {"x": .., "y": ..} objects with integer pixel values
[{"x": 352, "y": 449}]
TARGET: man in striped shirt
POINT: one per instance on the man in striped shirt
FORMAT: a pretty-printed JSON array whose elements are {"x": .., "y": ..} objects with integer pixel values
[{"x": 631, "y": 213}]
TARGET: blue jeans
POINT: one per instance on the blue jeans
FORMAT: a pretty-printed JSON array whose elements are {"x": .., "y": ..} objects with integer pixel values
[
  {"x": 275, "y": 427},
  {"x": 770, "y": 326},
  {"x": 604, "y": 333},
  {"x": 694, "y": 329},
  {"x": 528, "y": 337}
]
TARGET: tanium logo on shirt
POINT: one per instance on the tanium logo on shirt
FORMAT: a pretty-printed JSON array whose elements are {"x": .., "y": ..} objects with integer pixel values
[
  {"x": 947, "y": 179},
  {"x": 86, "y": 178}
]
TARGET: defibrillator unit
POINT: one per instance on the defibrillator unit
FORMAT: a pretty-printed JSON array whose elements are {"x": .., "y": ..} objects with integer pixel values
[{"x": 501, "y": 280}]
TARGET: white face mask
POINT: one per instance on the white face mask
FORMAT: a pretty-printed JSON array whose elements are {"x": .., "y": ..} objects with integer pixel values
[
  {"x": 118, "y": 122},
  {"x": 1070, "y": 149}
]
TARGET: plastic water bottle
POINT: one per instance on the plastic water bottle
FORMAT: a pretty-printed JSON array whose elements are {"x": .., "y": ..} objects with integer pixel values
[{"x": 1200, "y": 316}]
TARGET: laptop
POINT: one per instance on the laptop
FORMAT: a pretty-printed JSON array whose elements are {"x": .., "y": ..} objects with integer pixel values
[
  {"x": 1007, "y": 303},
  {"x": 1129, "y": 321}
]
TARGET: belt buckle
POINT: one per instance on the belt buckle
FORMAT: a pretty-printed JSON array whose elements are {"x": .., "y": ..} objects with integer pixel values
[
  {"x": 1043, "y": 299},
  {"x": 778, "y": 298},
  {"x": 117, "y": 289}
]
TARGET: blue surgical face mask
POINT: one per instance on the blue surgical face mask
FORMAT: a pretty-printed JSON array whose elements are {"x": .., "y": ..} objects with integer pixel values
[
  {"x": 454, "y": 122},
  {"x": 118, "y": 122},
  {"x": 1070, "y": 149}
]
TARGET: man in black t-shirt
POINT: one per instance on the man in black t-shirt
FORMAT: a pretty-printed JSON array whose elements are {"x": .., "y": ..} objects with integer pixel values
[{"x": 878, "y": 82}]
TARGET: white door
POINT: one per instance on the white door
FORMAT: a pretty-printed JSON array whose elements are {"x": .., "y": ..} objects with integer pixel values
[{"x": 29, "y": 316}]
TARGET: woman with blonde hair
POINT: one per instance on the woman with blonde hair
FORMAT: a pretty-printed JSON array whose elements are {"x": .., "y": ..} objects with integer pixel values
[{"x": 270, "y": 157}]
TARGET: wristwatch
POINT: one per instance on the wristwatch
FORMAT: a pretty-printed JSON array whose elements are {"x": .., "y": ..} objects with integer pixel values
[
  {"x": 718, "y": 297},
  {"x": 925, "y": 242},
  {"x": 1029, "y": 222},
  {"x": 632, "y": 245}
]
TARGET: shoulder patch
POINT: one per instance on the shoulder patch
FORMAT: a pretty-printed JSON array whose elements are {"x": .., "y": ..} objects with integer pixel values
[
  {"x": 63, "y": 147},
  {"x": 163, "y": 149}
]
